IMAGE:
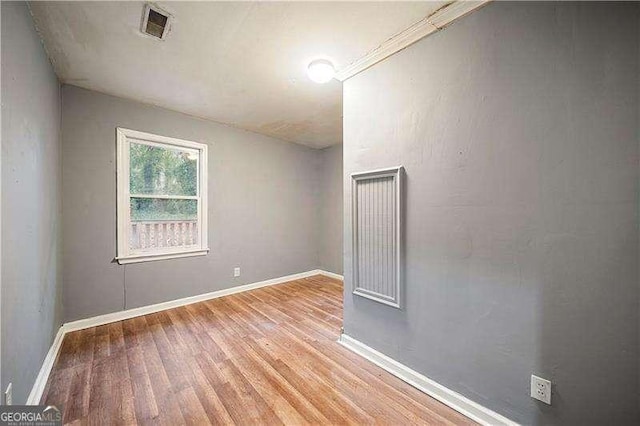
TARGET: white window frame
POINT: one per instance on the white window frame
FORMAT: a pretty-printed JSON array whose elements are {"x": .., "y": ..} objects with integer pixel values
[{"x": 124, "y": 255}]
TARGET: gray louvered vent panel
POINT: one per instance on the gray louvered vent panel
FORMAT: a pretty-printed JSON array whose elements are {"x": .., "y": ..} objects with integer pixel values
[{"x": 376, "y": 235}]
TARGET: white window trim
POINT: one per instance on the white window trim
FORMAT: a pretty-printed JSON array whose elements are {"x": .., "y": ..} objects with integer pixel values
[{"x": 123, "y": 137}]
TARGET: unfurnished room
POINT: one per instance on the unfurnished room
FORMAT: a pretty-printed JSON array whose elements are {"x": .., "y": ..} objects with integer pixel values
[{"x": 320, "y": 212}]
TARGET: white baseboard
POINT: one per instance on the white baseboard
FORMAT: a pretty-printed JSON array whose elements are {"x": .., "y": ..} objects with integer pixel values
[
  {"x": 149, "y": 309},
  {"x": 45, "y": 370},
  {"x": 448, "y": 397},
  {"x": 331, "y": 274},
  {"x": 47, "y": 365}
]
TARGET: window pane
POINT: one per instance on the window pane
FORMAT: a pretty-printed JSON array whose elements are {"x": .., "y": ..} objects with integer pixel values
[
  {"x": 159, "y": 223},
  {"x": 162, "y": 171},
  {"x": 161, "y": 209}
]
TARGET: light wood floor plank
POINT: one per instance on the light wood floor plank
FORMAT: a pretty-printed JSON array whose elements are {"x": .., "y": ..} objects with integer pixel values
[{"x": 267, "y": 356}]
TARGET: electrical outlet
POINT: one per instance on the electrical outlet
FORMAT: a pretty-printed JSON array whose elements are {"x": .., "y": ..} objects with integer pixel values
[
  {"x": 541, "y": 389},
  {"x": 236, "y": 272},
  {"x": 8, "y": 395}
]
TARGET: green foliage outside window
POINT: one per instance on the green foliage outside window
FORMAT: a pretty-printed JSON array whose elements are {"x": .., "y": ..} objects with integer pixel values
[{"x": 161, "y": 171}]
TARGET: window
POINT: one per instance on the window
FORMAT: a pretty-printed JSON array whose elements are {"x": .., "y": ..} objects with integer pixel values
[{"x": 162, "y": 197}]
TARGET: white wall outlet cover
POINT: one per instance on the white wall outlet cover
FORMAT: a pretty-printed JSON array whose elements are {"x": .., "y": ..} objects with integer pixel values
[
  {"x": 236, "y": 272},
  {"x": 8, "y": 395},
  {"x": 541, "y": 389}
]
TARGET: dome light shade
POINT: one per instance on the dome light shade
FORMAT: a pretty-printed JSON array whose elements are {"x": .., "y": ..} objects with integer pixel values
[{"x": 321, "y": 71}]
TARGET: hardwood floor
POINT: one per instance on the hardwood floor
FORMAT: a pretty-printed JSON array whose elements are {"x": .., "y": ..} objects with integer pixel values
[{"x": 267, "y": 356}]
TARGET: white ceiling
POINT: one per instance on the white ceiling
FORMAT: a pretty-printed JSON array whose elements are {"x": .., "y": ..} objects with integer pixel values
[{"x": 242, "y": 63}]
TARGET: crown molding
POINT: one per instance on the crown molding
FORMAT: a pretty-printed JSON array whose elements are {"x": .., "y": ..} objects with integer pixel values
[{"x": 421, "y": 29}]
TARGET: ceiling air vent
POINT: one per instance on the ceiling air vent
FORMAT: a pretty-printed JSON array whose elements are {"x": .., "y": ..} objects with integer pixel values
[{"x": 155, "y": 21}]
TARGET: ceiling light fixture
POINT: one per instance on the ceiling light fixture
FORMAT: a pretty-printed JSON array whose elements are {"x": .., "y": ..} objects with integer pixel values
[{"x": 321, "y": 71}]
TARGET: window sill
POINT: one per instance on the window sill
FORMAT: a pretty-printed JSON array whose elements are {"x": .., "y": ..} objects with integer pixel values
[{"x": 160, "y": 256}]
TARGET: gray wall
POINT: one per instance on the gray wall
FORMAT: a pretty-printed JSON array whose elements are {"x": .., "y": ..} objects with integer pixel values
[
  {"x": 31, "y": 193},
  {"x": 518, "y": 130},
  {"x": 263, "y": 196},
  {"x": 331, "y": 212}
]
